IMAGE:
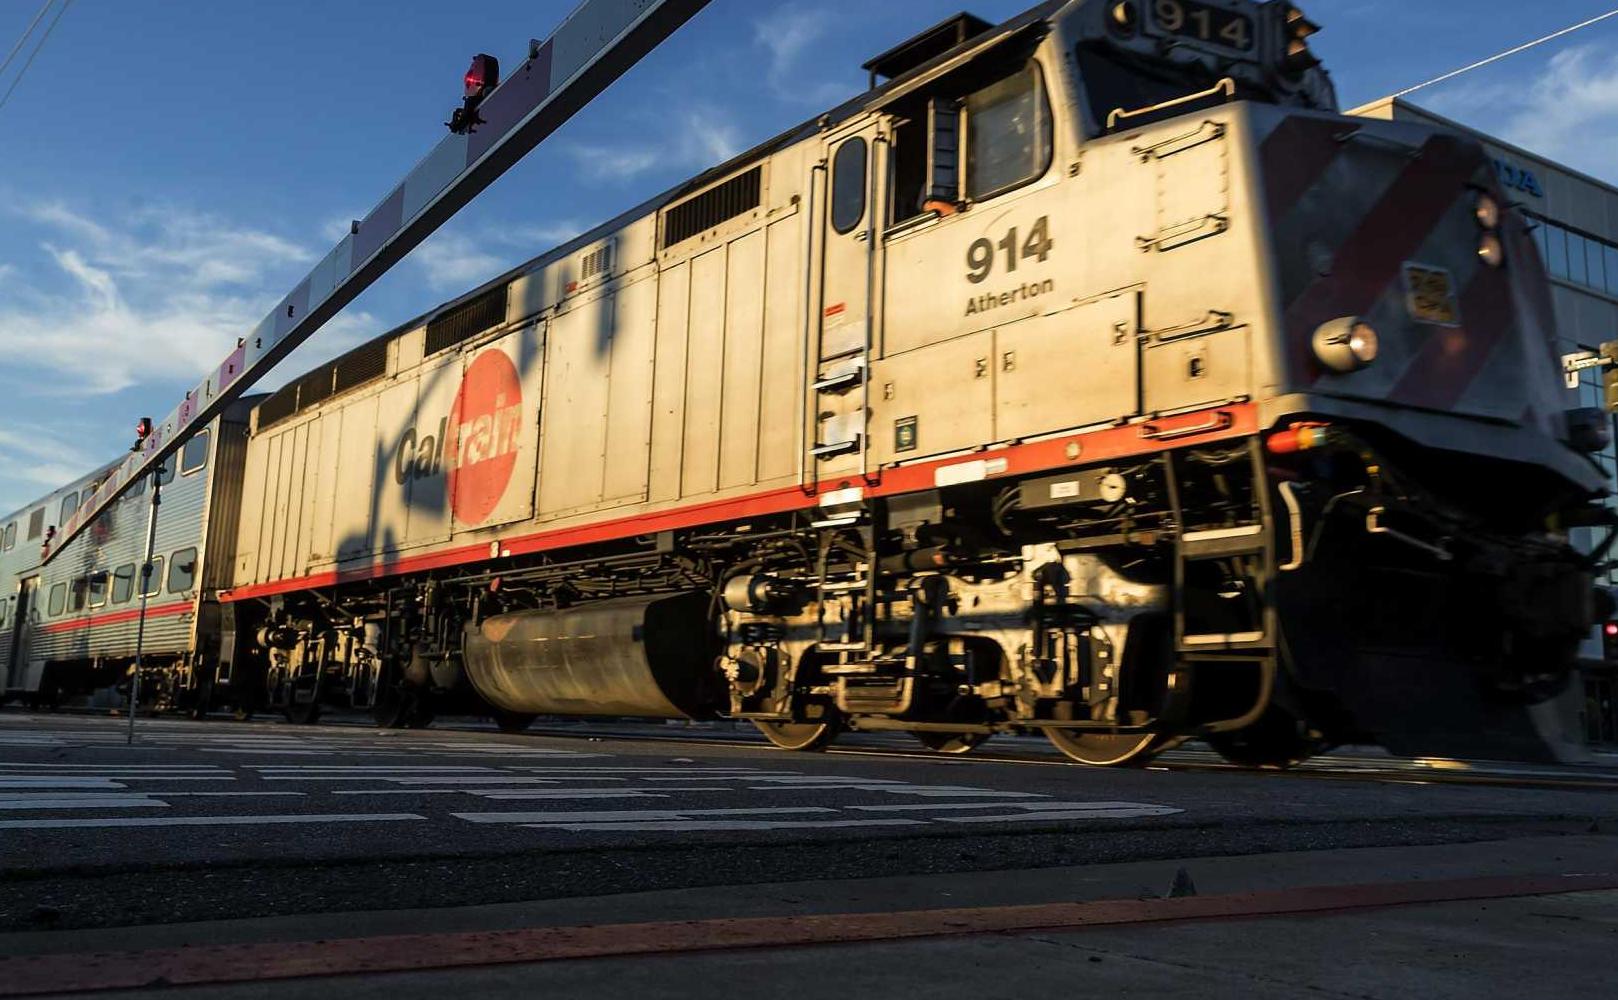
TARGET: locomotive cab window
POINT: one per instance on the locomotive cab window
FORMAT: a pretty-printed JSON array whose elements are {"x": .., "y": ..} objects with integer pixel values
[
  {"x": 123, "y": 583},
  {"x": 70, "y": 503},
  {"x": 58, "y": 600},
  {"x": 1008, "y": 134},
  {"x": 848, "y": 185},
  {"x": 152, "y": 580},
  {"x": 98, "y": 589},
  {"x": 182, "y": 570},
  {"x": 195, "y": 453}
]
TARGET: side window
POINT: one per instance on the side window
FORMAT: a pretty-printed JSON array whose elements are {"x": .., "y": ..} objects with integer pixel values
[
  {"x": 195, "y": 453},
  {"x": 36, "y": 524},
  {"x": 11, "y": 537},
  {"x": 70, "y": 503},
  {"x": 137, "y": 488},
  {"x": 1008, "y": 134},
  {"x": 848, "y": 185},
  {"x": 182, "y": 570},
  {"x": 152, "y": 580},
  {"x": 76, "y": 592},
  {"x": 167, "y": 475},
  {"x": 98, "y": 589},
  {"x": 123, "y": 583},
  {"x": 58, "y": 599}
]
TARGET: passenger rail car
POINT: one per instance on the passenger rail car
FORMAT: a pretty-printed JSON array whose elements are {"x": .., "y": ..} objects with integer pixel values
[
  {"x": 1091, "y": 375},
  {"x": 70, "y": 625}
]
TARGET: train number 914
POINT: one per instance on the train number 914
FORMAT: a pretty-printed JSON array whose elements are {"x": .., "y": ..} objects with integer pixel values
[
  {"x": 1204, "y": 23},
  {"x": 981, "y": 254}
]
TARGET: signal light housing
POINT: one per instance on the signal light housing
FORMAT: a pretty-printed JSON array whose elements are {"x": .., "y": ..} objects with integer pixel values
[
  {"x": 1298, "y": 58},
  {"x": 143, "y": 430},
  {"x": 481, "y": 78}
]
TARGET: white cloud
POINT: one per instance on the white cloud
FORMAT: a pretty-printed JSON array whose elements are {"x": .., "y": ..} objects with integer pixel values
[
  {"x": 1568, "y": 112},
  {"x": 787, "y": 33},
  {"x": 153, "y": 294},
  {"x": 699, "y": 137}
]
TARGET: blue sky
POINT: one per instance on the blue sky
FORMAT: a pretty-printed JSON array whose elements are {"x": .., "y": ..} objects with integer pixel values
[{"x": 170, "y": 168}]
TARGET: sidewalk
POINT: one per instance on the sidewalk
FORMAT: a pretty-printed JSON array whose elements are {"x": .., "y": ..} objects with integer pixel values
[{"x": 1477, "y": 920}]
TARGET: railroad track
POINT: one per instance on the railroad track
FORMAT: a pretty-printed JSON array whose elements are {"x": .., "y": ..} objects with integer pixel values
[{"x": 1033, "y": 751}]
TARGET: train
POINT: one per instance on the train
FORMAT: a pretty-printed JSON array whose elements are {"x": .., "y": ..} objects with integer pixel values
[{"x": 1088, "y": 375}]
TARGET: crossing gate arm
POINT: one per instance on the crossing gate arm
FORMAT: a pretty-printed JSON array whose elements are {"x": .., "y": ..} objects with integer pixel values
[{"x": 597, "y": 43}]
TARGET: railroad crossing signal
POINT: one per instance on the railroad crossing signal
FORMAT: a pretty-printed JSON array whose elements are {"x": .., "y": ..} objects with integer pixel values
[{"x": 593, "y": 46}]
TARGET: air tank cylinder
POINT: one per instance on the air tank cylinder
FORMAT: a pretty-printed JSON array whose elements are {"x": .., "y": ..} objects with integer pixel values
[{"x": 650, "y": 656}]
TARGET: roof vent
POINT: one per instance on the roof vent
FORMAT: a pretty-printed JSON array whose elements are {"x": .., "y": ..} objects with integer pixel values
[{"x": 925, "y": 47}]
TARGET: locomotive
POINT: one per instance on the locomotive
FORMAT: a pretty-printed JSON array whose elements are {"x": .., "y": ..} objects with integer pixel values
[{"x": 1088, "y": 375}]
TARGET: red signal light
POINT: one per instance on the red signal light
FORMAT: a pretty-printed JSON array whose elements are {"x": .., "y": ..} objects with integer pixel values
[
  {"x": 1611, "y": 628},
  {"x": 481, "y": 77}
]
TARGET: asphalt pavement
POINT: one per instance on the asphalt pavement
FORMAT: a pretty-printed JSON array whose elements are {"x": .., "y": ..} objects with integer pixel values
[{"x": 201, "y": 834}]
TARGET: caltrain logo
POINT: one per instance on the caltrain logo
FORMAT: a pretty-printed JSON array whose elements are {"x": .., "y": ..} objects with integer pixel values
[{"x": 476, "y": 445}]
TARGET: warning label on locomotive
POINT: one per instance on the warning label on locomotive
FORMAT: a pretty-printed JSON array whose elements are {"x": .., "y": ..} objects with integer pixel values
[{"x": 1430, "y": 295}]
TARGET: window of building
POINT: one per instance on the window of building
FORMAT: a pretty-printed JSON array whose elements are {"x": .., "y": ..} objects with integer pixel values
[
  {"x": 195, "y": 453},
  {"x": 58, "y": 600},
  {"x": 182, "y": 570},
  {"x": 1008, "y": 134},
  {"x": 76, "y": 593},
  {"x": 10, "y": 540},
  {"x": 70, "y": 503},
  {"x": 1595, "y": 270},
  {"x": 98, "y": 589},
  {"x": 152, "y": 579},
  {"x": 36, "y": 524},
  {"x": 848, "y": 185},
  {"x": 1575, "y": 259},
  {"x": 123, "y": 583}
]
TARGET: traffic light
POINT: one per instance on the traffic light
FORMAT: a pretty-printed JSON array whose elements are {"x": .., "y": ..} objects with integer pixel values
[{"x": 481, "y": 78}]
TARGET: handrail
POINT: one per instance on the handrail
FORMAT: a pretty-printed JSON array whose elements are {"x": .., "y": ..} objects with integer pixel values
[{"x": 1226, "y": 84}]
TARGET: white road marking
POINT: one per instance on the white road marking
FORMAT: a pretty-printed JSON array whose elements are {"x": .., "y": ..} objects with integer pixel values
[
  {"x": 60, "y": 782},
  {"x": 547, "y": 793},
  {"x": 937, "y": 806},
  {"x": 698, "y": 826},
  {"x": 628, "y": 815},
  {"x": 135, "y": 801},
  {"x": 119, "y": 821},
  {"x": 1121, "y": 810}
]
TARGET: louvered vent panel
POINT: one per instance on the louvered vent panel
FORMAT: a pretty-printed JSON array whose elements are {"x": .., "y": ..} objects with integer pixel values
[
  {"x": 735, "y": 197},
  {"x": 314, "y": 387},
  {"x": 468, "y": 319},
  {"x": 281, "y": 405},
  {"x": 362, "y": 365},
  {"x": 597, "y": 261}
]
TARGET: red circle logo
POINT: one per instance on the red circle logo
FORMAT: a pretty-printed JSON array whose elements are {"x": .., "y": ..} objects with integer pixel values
[{"x": 485, "y": 431}]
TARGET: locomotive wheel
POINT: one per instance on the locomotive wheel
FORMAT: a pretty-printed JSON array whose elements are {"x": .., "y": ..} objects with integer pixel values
[
  {"x": 513, "y": 722},
  {"x": 804, "y": 736},
  {"x": 1105, "y": 749},
  {"x": 1276, "y": 740},
  {"x": 957, "y": 743},
  {"x": 391, "y": 710}
]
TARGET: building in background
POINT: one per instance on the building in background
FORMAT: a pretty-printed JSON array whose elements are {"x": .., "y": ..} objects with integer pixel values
[{"x": 1575, "y": 220}]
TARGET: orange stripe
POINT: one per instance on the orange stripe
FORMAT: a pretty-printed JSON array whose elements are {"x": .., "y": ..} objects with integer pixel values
[
  {"x": 1107, "y": 444},
  {"x": 242, "y": 963},
  {"x": 113, "y": 617}
]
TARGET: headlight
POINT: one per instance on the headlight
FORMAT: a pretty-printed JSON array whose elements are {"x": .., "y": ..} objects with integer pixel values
[
  {"x": 1487, "y": 211},
  {"x": 1345, "y": 344},
  {"x": 1491, "y": 251}
]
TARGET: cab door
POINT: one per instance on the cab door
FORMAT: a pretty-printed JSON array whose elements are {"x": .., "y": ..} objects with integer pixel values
[{"x": 854, "y": 158}]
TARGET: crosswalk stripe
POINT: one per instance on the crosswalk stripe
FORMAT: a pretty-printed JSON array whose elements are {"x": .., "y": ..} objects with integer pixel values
[{"x": 133, "y": 821}]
